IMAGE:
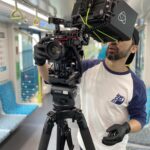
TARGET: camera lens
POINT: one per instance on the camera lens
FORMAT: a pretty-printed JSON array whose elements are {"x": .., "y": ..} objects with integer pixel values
[{"x": 55, "y": 50}]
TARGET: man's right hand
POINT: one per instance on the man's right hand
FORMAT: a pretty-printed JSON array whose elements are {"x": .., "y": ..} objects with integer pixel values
[{"x": 40, "y": 55}]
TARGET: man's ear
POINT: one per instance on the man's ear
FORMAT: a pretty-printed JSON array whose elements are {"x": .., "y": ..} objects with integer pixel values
[{"x": 134, "y": 48}]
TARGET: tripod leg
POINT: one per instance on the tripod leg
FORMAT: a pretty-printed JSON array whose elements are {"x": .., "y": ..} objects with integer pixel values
[
  {"x": 60, "y": 135},
  {"x": 84, "y": 130},
  {"x": 68, "y": 136},
  {"x": 63, "y": 134},
  {"x": 48, "y": 126}
]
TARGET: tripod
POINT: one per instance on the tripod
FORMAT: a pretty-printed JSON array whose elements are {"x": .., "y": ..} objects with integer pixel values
[{"x": 60, "y": 113}]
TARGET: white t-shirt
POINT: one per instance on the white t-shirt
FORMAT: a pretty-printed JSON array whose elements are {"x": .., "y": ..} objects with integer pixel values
[{"x": 106, "y": 100}]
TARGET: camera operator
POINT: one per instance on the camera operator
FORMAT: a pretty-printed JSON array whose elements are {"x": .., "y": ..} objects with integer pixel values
[{"x": 112, "y": 97}]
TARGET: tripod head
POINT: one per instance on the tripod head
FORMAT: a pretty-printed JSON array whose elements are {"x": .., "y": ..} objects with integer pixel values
[{"x": 63, "y": 97}]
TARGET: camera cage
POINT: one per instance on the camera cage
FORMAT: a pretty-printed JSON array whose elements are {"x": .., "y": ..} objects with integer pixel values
[{"x": 103, "y": 20}]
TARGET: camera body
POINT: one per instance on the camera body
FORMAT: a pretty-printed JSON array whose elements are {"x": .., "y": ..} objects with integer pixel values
[
  {"x": 64, "y": 50},
  {"x": 57, "y": 48}
]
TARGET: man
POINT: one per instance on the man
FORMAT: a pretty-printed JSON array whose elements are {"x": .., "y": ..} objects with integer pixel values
[
  {"x": 110, "y": 92},
  {"x": 112, "y": 97}
]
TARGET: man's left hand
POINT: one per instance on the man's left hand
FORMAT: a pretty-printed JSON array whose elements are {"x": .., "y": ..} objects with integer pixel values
[{"x": 116, "y": 133}]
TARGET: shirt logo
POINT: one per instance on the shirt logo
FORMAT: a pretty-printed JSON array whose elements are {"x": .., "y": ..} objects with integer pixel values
[{"x": 118, "y": 99}]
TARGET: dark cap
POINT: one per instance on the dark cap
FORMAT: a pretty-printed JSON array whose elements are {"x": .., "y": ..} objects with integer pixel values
[
  {"x": 136, "y": 40},
  {"x": 135, "y": 36}
]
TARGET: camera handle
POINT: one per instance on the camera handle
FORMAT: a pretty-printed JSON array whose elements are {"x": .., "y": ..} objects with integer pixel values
[{"x": 63, "y": 131}]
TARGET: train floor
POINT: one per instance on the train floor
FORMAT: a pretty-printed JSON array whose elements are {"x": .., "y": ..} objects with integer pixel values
[{"x": 28, "y": 134}]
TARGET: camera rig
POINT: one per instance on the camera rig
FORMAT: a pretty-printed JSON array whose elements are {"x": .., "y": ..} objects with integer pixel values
[{"x": 104, "y": 21}]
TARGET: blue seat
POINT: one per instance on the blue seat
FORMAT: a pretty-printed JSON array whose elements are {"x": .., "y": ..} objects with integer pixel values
[
  {"x": 10, "y": 122},
  {"x": 8, "y": 100}
]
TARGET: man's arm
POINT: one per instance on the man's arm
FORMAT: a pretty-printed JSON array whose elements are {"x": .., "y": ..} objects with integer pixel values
[
  {"x": 117, "y": 132},
  {"x": 135, "y": 125},
  {"x": 40, "y": 57},
  {"x": 137, "y": 109},
  {"x": 137, "y": 112},
  {"x": 43, "y": 70}
]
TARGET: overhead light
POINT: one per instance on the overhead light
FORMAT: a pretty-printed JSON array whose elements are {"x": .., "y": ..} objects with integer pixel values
[
  {"x": 26, "y": 9},
  {"x": 42, "y": 16},
  {"x": 37, "y": 28}
]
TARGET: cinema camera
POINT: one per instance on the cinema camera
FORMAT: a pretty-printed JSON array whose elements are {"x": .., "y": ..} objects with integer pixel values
[{"x": 104, "y": 21}]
